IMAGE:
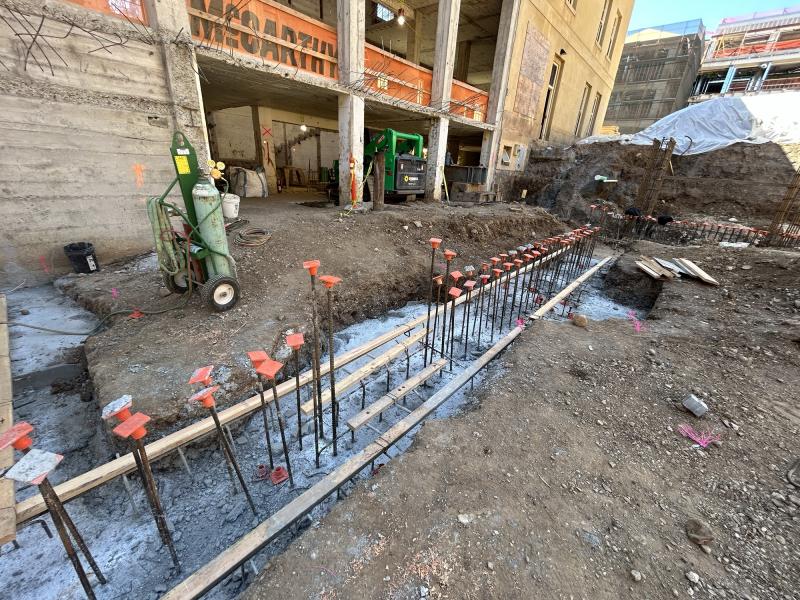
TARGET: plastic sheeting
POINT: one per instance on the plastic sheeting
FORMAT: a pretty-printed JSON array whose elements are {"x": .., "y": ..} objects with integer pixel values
[{"x": 720, "y": 122}]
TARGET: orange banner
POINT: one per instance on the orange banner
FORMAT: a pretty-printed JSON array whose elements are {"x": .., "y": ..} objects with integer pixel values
[
  {"x": 391, "y": 76},
  {"x": 468, "y": 101},
  {"x": 133, "y": 9},
  {"x": 268, "y": 31}
]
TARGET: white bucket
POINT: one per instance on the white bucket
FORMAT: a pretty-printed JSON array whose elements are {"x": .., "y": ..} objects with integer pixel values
[{"x": 230, "y": 206}]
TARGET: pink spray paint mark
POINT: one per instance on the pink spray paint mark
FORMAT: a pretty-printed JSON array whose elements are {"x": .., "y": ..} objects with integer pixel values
[
  {"x": 521, "y": 323},
  {"x": 43, "y": 262},
  {"x": 638, "y": 326},
  {"x": 114, "y": 293},
  {"x": 704, "y": 438}
]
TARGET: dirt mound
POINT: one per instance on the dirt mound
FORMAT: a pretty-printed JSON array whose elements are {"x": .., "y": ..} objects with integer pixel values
[
  {"x": 745, "y": 181},
  {"x": 383, "y": 259}
]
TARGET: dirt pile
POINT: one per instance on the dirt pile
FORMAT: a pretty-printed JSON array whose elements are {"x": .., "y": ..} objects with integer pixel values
[
  {"x": 745, "y": 181},
  {"x": 571, "y": 478},
  {"x": 383, "y": 259}
]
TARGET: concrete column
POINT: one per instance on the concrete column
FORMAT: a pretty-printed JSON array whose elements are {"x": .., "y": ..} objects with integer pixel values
[
  {"x": 170, "y": 21},
  {"x": 506, "y": 32},
  {"x": 461, "y": 69},
  {"x": 414, "y": 38},
  {"x": 728, "y": 79},
  {"x": 350, "y": 32},
  {"x": 443, "y": 63},
  {"x": 265, "y": 145}
]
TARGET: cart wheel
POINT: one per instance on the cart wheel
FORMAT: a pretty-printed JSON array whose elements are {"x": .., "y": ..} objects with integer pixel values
[
  {"x": 178, "y": 283},
  {"x": 221, "y": 292}
]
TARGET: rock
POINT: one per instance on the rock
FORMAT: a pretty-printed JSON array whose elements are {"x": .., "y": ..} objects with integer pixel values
[
  {"x": 746, "y": 267},
  {"x": 24, "y": 311},
  {"x": 636, "y": 575},
  {"x": 405, "y": 227},
  {"x": 692, "y": 577},
  {"x": 695, "y": 406},
  {"x": 423, "y": 591},
  {"x": 466, "y": 519},
  {"x": 651, "y": 351},
  {"x": 490, "y": 565},
  {"x": 591, "y": 538},
  {"x": 699, "y": 532},
  {"x": 418, "y": 224},
  {"x": 580, "y": 320}
]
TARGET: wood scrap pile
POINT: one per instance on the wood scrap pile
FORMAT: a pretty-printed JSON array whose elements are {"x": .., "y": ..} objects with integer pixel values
[{"x": 658, "y": 268}]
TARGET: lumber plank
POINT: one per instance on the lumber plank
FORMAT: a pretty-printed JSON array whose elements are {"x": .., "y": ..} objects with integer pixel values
[
  {"x": 72, "y": 488},
  {"x": 548, "y": 306},
  {"x": 362, "y": 372},
  {"x": 642, "y": 266},
  {"x": 696, "y": 271},
  {"x": 207, "y": 576},
  {"x": 668, "y": 265},
  {"x": 8, "y": 517},
  {"x": 657, "y": 268},
  {"x": 397, "y": 394}
]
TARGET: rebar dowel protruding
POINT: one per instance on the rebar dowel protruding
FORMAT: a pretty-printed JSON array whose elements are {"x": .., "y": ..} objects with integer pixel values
[
  {"x": 232, "y": 459},
  {"x": 312, "y": 266},
  {"x": 435, "y": 243},
  {"x": 283, "y": 432},
  {"x": 449, "y": 255},
  {"x": 329, "y": 281},
  {"x": 264, "y": 414}
]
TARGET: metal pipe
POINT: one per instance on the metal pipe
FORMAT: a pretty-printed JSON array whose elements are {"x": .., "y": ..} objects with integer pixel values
[{"x": 283, "y": 434}]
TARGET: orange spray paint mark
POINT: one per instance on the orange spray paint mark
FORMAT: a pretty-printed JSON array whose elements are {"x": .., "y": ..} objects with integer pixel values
[{"x": 138, "y": 171}]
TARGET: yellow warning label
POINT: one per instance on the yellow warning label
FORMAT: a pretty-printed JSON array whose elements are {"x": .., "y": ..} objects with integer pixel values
[{"x": 182, "y": 163}]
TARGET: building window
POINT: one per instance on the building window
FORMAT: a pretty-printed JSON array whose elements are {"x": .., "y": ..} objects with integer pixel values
[
  {"x": 550, "y": 99},
  {"x": 587, "y": 93},
  {"x": 614, "y": 33},
  {"x": 505, "y": 157},
  {"x": 601, "y": 28},
  {"x": 383, "y": 13},
  {"x": 593, "y": 114}
]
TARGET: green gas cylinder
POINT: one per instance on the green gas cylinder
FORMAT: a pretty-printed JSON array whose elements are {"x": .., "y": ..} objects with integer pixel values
[{"x": 211, "y": 224}]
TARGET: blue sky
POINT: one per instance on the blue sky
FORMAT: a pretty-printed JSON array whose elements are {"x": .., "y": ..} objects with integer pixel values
[{"x": 647, "y": 13}]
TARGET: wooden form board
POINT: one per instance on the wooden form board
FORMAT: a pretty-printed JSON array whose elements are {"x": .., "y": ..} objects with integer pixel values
[
  {"x": 362, "y": 372},
  {"x": 8, "y": 517},
  {"x": 548, "y": 306},
  {"x": 34, "y": 506},
  {"x": 207, "y": 576},
  {"x": 695, "y": 271},
  {"x": 397, "y": 394}
]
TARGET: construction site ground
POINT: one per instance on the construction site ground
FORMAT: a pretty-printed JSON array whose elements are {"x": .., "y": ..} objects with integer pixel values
[
  {"x": 383, "y": 259},
  {"x": 565, "y": 475},
  {"x": 568, "y": 478}
]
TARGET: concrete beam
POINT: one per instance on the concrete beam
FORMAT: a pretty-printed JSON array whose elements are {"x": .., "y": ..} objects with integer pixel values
[
  {"x": 350, "y": 33},
  {"x": 498, "y": 90},
  {"x": 443, "y": 62}
]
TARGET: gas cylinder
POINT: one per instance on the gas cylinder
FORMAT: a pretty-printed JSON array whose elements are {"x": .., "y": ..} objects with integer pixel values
[{"x": 211, "y": 224}]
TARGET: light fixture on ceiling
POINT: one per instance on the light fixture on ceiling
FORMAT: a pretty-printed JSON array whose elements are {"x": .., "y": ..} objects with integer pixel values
[
  {"x": 401, "y": 17},
  {"x": 303, "y": 127}
]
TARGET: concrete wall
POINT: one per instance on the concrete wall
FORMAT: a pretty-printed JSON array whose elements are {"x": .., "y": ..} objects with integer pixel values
[
  {"x": 232, "y": 134},
  {"x": 85, "y": 144},
  {"x": 545, "y": 28}
]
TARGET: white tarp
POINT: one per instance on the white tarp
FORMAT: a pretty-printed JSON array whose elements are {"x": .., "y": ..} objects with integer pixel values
[{"x": 720, "y": 122}]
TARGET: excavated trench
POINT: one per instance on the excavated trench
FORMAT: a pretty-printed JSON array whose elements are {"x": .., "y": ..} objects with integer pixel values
[{"x": 204, "y": 513}]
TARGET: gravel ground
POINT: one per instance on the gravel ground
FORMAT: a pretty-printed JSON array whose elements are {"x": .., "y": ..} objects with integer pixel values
[{"x": 570, "y": 478}]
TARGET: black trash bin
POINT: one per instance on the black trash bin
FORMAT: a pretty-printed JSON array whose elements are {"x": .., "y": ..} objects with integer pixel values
[{"x": 81, "y": 256}]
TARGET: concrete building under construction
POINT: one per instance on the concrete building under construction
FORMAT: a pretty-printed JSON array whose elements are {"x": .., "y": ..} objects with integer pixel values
[
  {"x": 655, "y": 74},
  {"x": 751, "y": 54},
  {"x": 97, "y": 87}
]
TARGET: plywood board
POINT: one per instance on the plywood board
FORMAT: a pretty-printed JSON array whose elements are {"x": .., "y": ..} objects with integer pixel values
[{"x": 8, "y": 518}]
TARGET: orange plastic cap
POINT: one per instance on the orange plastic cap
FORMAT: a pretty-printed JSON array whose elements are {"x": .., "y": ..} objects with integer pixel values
[
  {"x": 456, "y": 275},
  {"x": 454, "y": 292},
  {"x": 507, "y": 266},
  {"x": 295, "y": 340},
  {"x": 330, "y": 280},
  {"x": 257, "y": 357},
  {"x": 517, "y": 262},
  {"x": 133, "y": 427},
  {"x": 438, "y": 280},
  {"x": 202, "y": 375},
  {"x": 17, "y": 436},
  {"x": 484, "y": 278},
  {"x": 484, "y": 267},
  {"x": 205, "y": 396},
  {"x": 469, "y": 284},
  {"x": 435, "y": 243},
  {"x": 497, "y": 272},
  {"x": 494, "y": 260},
  {"x": 269, "y": 368},
  {"x": 311, "y": 266},
  {"x": 449, "y": 255}
]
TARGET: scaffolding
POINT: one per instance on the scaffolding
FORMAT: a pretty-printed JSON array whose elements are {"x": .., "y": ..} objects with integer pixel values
[{"x": 655, "y": 74}]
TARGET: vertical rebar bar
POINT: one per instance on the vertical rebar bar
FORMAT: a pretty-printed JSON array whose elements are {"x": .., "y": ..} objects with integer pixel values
[
  {"x": 232, "y": 459},
  {"x": 283, "y": 434}
]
